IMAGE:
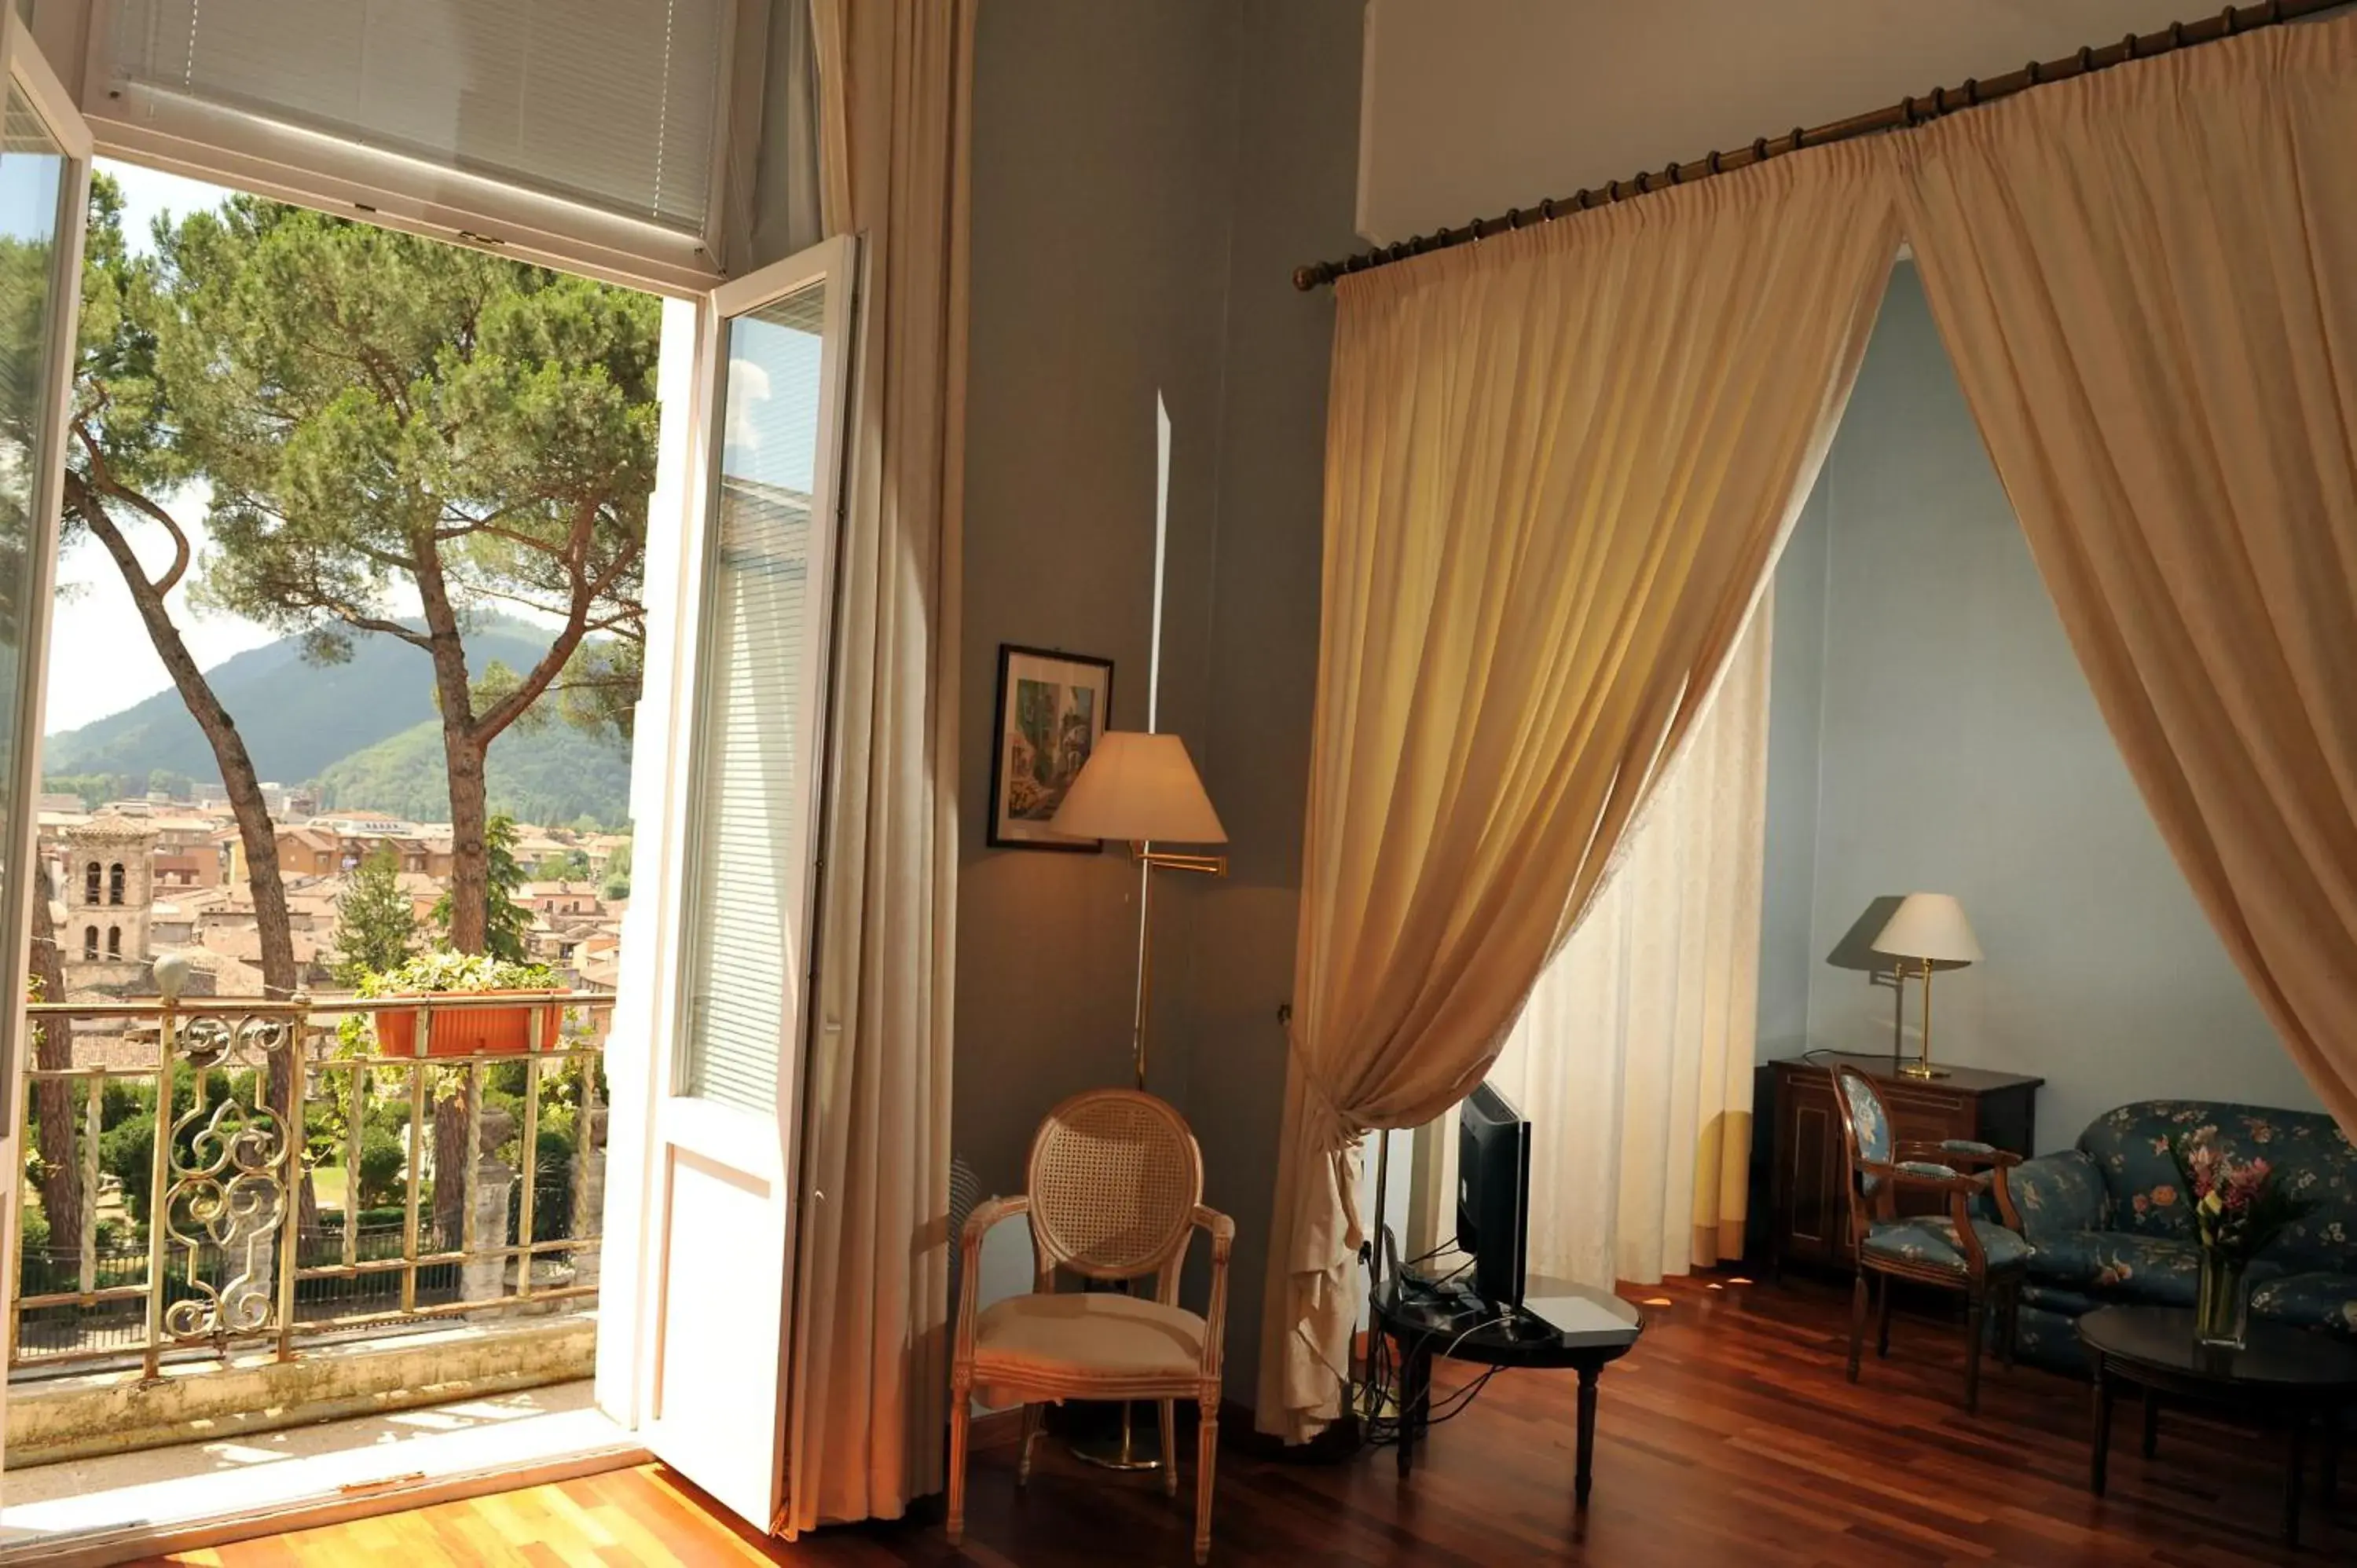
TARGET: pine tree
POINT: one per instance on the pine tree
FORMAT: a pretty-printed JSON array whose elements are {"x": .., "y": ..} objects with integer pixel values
[{"x": 376, "y": 927}]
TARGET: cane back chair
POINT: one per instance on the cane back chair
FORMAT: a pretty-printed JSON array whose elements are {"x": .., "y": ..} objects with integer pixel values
[{"x": 1116, "y": 1193}]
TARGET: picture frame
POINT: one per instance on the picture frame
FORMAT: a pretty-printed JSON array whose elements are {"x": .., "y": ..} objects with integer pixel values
[{"x": 1053, "y": 709}]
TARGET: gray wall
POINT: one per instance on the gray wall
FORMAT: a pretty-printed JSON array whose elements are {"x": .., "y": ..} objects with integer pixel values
[
  {"x": 1930, "y": 729},
  {"x": 1145, "y": 177}
]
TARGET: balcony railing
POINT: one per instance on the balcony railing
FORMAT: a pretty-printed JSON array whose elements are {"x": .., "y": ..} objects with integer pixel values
[{"x": 221, "y": 1239}]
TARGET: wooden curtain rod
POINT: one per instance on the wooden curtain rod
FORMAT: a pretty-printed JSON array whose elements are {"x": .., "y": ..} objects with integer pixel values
[{"x": 1906, "y": 113}]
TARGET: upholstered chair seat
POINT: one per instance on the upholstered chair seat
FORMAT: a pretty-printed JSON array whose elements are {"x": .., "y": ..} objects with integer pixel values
[{"x": 1115, "y": 1194}]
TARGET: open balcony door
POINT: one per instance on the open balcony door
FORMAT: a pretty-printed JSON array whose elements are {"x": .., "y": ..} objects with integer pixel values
[
  {"x": 44, "y": 152},
  {"x": 735, "y": 700}
]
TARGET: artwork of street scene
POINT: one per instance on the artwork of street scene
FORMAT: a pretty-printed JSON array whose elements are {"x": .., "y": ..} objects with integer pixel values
[
  {"x": 1053, "y": 728},
  {"x": 1052, "y": 707}
]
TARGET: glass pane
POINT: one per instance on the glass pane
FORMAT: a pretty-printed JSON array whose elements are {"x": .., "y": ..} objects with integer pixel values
[
  {"x": 760, "y": 667},
  {"x": 32, "y": 176}
]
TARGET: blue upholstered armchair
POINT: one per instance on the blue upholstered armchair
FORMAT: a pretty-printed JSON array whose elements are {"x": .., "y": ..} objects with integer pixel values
[{"x": 1958, "y": 1250}]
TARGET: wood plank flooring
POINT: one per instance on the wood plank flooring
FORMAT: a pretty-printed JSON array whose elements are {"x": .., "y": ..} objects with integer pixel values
[{"x": 1729, "y": 1435}]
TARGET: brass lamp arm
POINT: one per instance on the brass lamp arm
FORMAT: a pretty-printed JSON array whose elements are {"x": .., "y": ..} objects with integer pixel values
[{"x": 1209, "y": 864}]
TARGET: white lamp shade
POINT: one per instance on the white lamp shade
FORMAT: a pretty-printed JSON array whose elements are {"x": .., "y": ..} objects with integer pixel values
[
  {"x": 1932, "y": 926},
  {"x": 1138, "y": 787}
]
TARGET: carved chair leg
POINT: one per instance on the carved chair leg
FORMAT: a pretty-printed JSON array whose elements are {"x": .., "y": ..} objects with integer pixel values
[
  {"x": 1033, "y": 1415},
  {"x": 1882, "y": 1316},
  {"x": 1206, "y": 1450},
  {"x": 1856, "y": 1320},
  {"x": 1975, "y": 1330},
  {"x": 960, "y": 1417},
  {"x": 1170, "y": 1449}
]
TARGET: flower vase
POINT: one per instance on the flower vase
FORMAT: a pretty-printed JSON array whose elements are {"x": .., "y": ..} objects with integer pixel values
[{"x": 2222, "y": 1311}]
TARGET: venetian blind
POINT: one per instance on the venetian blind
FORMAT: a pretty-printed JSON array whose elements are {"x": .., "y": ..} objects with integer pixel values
[
  {"x": 749, "y": 946},
  {"x": 613, "y": 104}
]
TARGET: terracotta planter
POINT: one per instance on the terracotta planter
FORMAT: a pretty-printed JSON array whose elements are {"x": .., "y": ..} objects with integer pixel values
[{"x": 471, "y": 1031}]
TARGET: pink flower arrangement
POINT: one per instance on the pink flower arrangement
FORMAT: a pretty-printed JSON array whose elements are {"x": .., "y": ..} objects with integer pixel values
[{"x": 2238, "y": 1205}]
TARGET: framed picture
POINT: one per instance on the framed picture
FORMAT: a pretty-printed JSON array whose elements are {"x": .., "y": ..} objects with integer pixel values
[{"x": 1052, "y": 707}]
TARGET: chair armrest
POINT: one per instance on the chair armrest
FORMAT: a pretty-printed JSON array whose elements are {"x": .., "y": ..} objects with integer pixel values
[
  {"x": 977, "y": 1225},
  {"x": 1964, "y": 1154},
  {"x": 1223, "y": 1231},
  {"x": 1926, "y": 1176}
]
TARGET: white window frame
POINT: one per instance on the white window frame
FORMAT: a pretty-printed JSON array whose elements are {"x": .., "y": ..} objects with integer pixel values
[{"x": 322, "y": 170}]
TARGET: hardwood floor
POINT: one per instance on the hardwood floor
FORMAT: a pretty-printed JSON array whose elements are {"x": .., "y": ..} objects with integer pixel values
[{"x": 1728, "y": 1435}]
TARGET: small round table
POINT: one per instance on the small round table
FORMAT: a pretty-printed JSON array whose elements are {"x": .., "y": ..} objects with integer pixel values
[
  {"x": 1561, "y": 1326},
  {"x": 2281, "y": 1377}
]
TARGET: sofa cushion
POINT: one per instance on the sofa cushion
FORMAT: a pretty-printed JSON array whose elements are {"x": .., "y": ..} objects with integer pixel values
[
  {"x": 2118, "y": 1266},
  {"x": 2130, "y": 1146},
  {"x": 2309, "y": 1301},
  {"x": 1933, "y": 1240}
]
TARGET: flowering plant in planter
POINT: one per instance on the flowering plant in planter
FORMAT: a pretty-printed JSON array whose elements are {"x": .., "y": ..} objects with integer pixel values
[
  {"x": 2239, "y": 1206},
  {"x": 464, "y": 1031}
]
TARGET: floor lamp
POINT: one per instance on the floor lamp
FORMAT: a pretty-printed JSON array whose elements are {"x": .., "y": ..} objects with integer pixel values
[{"x": 1141, "y": 789}]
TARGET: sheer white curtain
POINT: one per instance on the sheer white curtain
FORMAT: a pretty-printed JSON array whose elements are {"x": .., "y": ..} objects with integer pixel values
[{"x": 1633, "y": 1058}]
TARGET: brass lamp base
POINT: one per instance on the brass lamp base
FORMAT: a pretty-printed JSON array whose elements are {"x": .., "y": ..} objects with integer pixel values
[
  {"x": 1133, "y": 1446},
  {"x": 1922, "y": 1070}
]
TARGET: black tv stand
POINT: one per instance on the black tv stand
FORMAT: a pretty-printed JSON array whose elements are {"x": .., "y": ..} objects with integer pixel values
[{"x": 1425, "y": 1320}]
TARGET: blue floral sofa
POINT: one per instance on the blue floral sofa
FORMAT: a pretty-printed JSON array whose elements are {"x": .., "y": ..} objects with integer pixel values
[{"x": 2108, "y": 1222}]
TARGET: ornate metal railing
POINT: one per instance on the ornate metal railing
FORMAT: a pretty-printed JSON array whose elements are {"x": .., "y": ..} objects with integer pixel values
[{"x": 230, "y": 1246}]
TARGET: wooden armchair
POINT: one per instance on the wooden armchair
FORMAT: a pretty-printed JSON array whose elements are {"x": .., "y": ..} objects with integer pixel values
[
  {"x": 1954, "y": 1251},
  {"x": 1116, "y": 1193}
]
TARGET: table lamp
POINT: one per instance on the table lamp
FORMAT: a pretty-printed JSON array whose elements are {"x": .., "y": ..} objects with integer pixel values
[
  {"x": 1929, "y": 928},
  {"x": 1142, "y": 788}
]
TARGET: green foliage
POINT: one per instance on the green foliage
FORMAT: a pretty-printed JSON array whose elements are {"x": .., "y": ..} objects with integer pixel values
[
  {"x": 441, "y": 971},
  {"x": 95, "y": 788},
  {"x": 507, "y": 923},
  {"x": 376, "y": 926},
  {"x": 541, "y": 773},
  {"x": 383, "y": 1156},
  {"x": 571, "y": 867},
  {"x": 127, "y": 1151}
]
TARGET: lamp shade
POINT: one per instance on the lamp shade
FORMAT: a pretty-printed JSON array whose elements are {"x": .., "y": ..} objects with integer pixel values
[
  {"x": 1932, "y": 926},
  {"x": 1139, "y": 787}
]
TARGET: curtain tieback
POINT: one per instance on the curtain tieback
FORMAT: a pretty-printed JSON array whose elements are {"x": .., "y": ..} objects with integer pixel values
[{"x": 1335, "y": 1131}]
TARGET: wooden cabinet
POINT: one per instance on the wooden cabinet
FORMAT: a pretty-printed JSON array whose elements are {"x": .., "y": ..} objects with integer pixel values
[{"x": 1808, "y": 1222}]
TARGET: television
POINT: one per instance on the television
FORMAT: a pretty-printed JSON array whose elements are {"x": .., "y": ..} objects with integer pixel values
[{"x": 1493, "y": 1194}]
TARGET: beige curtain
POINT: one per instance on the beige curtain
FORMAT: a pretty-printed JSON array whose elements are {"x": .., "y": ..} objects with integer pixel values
[
  {"x": 868, "y": 1372},
  {"x": 1558, "y": 465},
  {"x": 2149, "y": 281},
  {"x": 1633, "y": 1058}
]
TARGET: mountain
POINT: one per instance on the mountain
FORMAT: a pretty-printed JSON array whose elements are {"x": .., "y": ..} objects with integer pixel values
[
  {"x": 553, "y": 773},
  {"x": 356, "y": 725}
]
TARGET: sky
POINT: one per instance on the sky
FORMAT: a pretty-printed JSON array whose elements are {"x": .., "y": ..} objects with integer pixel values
[{"x": 101, "y": 660}]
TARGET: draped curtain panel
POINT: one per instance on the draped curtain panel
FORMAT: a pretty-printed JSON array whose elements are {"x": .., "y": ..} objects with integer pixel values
[
  {"x": 1633, "y": 1057},
  {"x": 868, "y": 1371},
  {"x": 2147, "y": 280},
  {"x": 1558, "y": 465}
]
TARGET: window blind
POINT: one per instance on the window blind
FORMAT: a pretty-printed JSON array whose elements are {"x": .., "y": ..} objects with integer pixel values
[
  {"x": 759, "y": 688},
  {"x": 613, "y": 104}
]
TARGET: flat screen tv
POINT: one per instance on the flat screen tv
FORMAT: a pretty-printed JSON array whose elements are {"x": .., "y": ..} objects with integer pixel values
[{"x": 1493, "y": 1194}]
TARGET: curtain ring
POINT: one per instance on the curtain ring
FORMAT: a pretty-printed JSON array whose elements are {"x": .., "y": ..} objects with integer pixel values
[
  {"x": 2129, "y": 44},
  {"x": 1645, "y": 181},
  {"x": 1514, "y": 219},
  {"x": 1939, "y": 102},
  {"x": 2227, "y": 17},
  {"x": 1971, "y": 91},
  {"x": 1673, "y": 171},
  {"x": 1546, "y": 211},
  {"x": 1713, "y": 160},
  {"x": 1759, "y": 150},
  {"x": 1582, "y": 198},
  {"x": 2177, "y": 34},
  {"x": 1907, "y": 109},
  {"x": 1797, "y": 134},
  {"x": 2034, "y": 72},
  {"x": 2086, "y": 57}
]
